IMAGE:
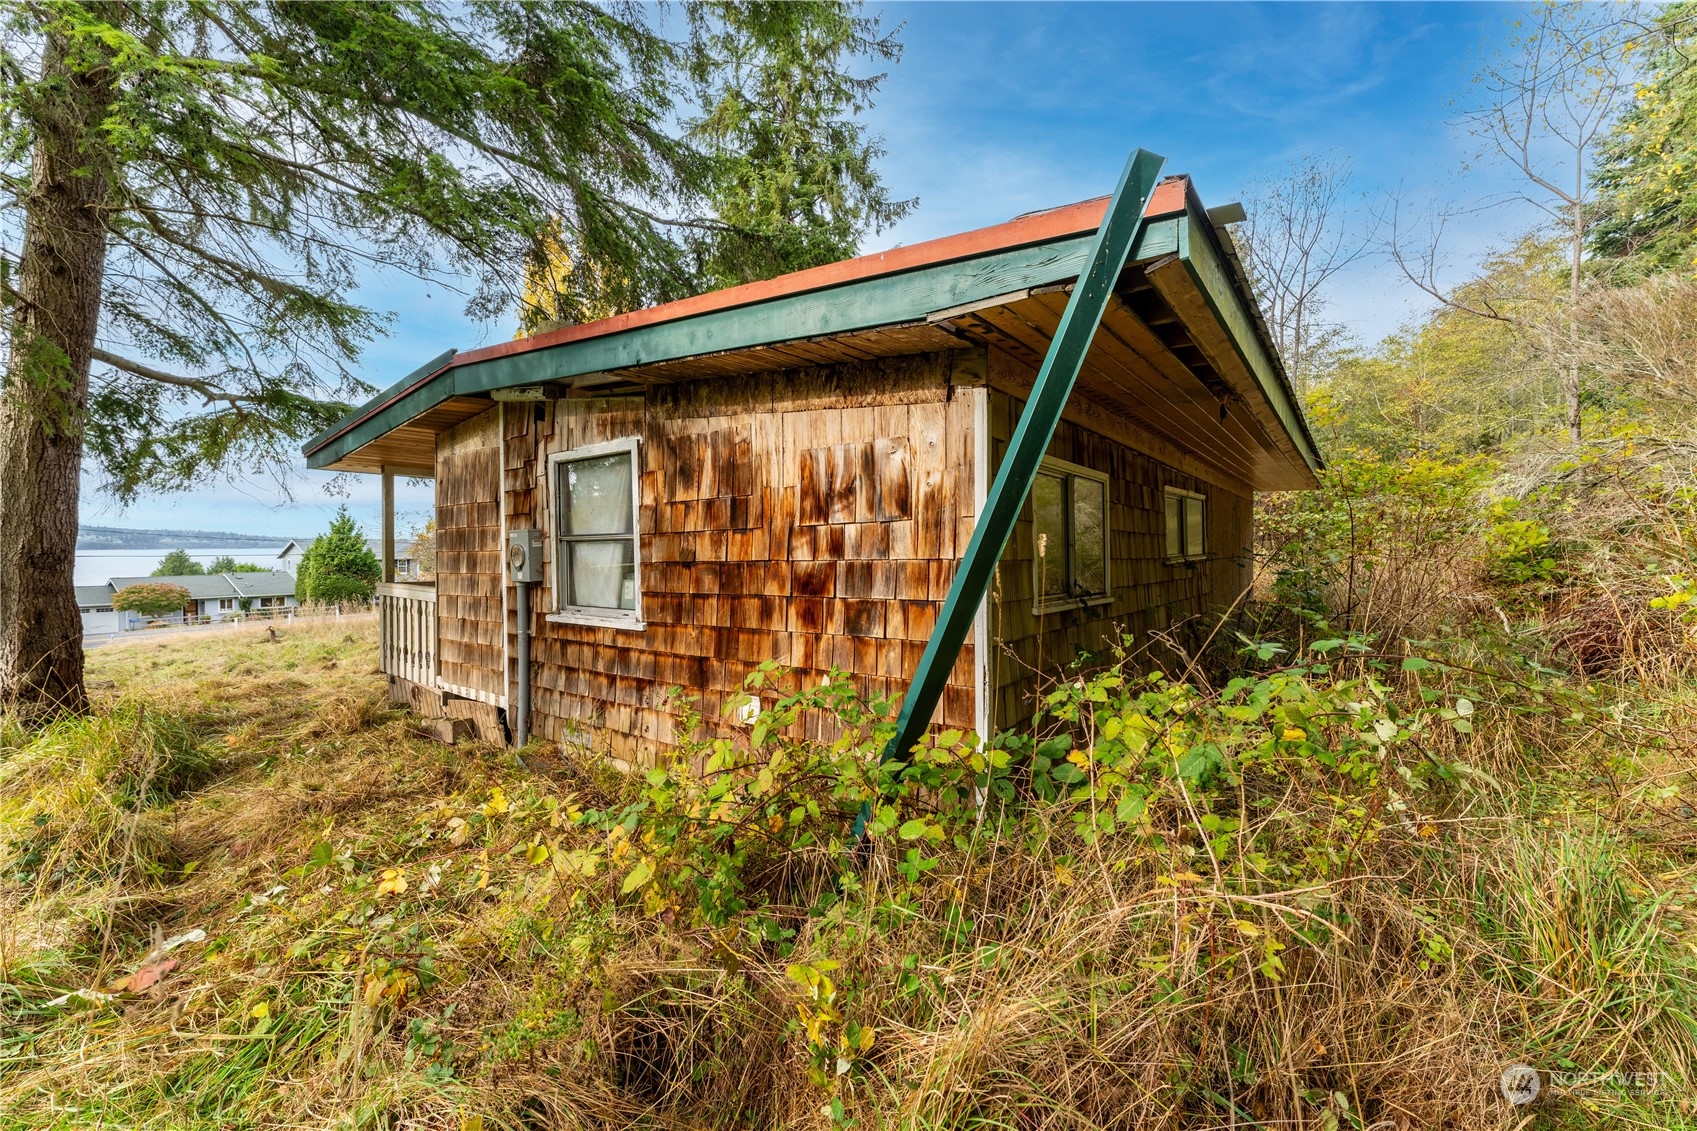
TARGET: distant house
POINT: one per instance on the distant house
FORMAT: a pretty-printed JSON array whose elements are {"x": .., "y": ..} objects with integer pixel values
[
  {"x": 212, "y": 597},
  {"x": 405, "y": 568},
  {"x": 289, "y": 557},
  {"x": 94, "y": 602}
]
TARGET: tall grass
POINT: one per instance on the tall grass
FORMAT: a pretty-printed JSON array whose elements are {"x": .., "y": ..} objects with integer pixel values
[{"x": 402, "y": 936}]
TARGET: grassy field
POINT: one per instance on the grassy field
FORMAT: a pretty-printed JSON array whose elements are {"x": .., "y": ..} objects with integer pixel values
[{"x": 240, "y": 893}]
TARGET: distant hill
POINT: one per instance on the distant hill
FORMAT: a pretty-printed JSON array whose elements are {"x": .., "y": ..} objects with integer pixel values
[{"x": 118, "y": 538}]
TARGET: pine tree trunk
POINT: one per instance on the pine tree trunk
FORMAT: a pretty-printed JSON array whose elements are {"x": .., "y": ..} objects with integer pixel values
[{"x": 56, "y": 309}]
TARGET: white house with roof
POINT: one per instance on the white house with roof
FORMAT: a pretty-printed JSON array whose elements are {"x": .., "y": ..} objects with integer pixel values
[{"x": 212, "y": 597}]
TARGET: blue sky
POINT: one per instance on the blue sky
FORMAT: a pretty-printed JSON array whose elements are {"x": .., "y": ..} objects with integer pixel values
[{"x": 998, "y": 109}]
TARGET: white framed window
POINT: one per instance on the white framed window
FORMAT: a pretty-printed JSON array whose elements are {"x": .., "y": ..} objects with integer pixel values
[
  {"x": 226, "y": 604},
  {"x": 1069, "y": 512},
  {"x": 1187, "y": 525},
  {"x": 597, "y": 550}
]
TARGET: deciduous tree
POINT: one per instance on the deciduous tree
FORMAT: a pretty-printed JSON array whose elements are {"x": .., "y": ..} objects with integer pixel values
[
  {"x": 1541, "y": 106},
  {"x": 1301, "y": 233},
  {"x": 151, "y": 599}
]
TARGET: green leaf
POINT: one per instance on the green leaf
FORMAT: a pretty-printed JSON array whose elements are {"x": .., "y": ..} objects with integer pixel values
[
  {"x": 639, "y": 875},
  {"x": 1067, "y": 774},
  {"x": 1415, "y": 664},
  {"x": 913, "y": 830}
]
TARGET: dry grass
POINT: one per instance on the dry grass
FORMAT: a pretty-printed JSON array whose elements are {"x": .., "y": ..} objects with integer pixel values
[{"x": 264, "y": 793}]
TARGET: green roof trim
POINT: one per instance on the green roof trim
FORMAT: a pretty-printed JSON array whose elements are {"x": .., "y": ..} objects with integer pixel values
[
  {"x": 886, "y": 300},
  {"x": 1201, "y": 256}
]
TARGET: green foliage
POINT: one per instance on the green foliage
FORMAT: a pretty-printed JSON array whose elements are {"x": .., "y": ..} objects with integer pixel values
[
  {"x": 1518, "y": 548},
  {"x": 1339, "y": 552},
  {"x": 261, "y": 157},
  {"x": 1118, "y": 755},
  {"x": 1461, "y": 380},
  {"x": 177, "y": 563},
  {"x": 227, "y": 564},
  {"x": 1646, "y": 176},
  {"x": 338, "y": 568},
  {"x": 719, "y": 810},
  {"x": 786, "y": 167},
  {"x": 793, "y": 168},
  {"x": 151, "y": 599}
]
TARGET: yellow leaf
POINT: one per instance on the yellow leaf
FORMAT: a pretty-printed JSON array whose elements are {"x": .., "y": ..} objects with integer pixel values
[
  {"x": 472, "y": 1123},
  {"x": 1295, "y": 734},
  {"x": 866, "y": 1038},
  {"x": 483, "y": 879},
  {"x": 538, "y": 854},
  {"x": 776, "y": 823},
  {"x": 260, "y": 1010},
  {"x": 392, "y": 882},
  {"x": 497, "y": 803}
]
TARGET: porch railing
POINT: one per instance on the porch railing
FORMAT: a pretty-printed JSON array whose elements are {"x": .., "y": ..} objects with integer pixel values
[{"x": 406, "y": 631}]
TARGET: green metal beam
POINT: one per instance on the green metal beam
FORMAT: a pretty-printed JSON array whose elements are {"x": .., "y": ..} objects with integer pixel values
[{"x": 1107, "y": 258}]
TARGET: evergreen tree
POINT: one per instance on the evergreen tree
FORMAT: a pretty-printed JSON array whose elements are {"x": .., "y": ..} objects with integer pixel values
[
  {"x": 178, "y": 564},
  {"x": 198, "y": 187},
  {"x": 790, "y": 172},
  {"x": 338, "y": 568},
  {"x": 227, "y": 564},
  {"x": 1646, "y": 177}
]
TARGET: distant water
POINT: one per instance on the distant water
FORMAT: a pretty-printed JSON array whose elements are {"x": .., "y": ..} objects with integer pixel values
[{"x": 96, "y": 567}]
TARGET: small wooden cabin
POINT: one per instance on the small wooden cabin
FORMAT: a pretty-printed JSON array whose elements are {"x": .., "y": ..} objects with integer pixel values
[{"x": 790, "y": 470}]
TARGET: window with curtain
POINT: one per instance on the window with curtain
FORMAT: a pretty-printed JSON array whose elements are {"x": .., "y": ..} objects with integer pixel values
[
  {"x": 596, "y": 545},
  {"x": 1187, "y": 525},
  {"x": 1069, "y": 511}
]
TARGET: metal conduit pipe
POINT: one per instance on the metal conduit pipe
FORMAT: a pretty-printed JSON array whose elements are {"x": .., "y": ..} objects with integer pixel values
[{"x": 524, "y": 569}]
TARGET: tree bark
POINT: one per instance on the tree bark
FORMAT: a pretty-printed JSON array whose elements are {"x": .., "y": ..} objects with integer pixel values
[{"x": 43, "y": 403}]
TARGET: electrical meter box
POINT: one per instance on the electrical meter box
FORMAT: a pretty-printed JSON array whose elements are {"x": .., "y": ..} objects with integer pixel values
[{"x": 524, "y": 557}]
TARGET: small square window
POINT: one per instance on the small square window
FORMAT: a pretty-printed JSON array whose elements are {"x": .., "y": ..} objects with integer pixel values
[
  {"x": 1069, "y": 512},
  {"x": 596, "y": 545},
  {"x": 1187, "y": 525}
]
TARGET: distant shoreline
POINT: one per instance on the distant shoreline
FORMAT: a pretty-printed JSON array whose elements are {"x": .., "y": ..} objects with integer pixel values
[{"x": 118, "y": 538}]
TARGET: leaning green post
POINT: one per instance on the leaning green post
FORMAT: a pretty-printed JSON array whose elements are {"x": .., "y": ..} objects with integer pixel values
[{"x": 1120, "y": 225}]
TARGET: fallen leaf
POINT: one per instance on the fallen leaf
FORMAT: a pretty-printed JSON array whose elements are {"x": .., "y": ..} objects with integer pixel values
[{"x": 144, "y": 978}]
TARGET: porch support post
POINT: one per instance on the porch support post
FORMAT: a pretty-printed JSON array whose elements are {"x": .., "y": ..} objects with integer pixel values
[
  {"x": 388, "y": 524},
  {"x": 1061, "y": 365}
]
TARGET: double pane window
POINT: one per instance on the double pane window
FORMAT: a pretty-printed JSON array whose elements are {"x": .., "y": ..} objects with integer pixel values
[
  {"x": 1069, "y": 510},
  {"x": 596, "y": 538},
  {"x": 1187, "y": 525}
]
